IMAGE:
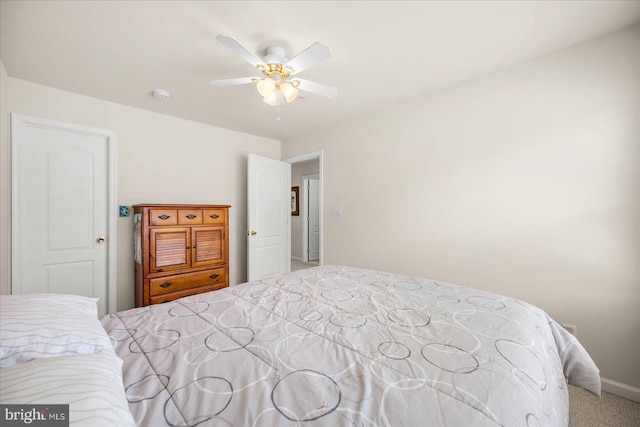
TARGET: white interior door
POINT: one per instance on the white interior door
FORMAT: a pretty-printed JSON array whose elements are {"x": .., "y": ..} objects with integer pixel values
[
  {"x": 63, "y": 210},
  {"x": 313, "y": 196},
  {"x": 268, "y": 217},
  {"x": 311, "y": 223}
]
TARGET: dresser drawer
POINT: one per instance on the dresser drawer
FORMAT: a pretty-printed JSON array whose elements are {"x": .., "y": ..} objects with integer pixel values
[
  {"x": 163, "y": 217},
  {"x": 191, "y": 216},
  {"x": 159, "y": 299},
  {"x": 181, "y": 282},
  {"x": 215, "y": 216}
]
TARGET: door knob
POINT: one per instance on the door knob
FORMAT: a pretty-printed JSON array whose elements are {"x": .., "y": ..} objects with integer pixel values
[
  {"x": 101, "y": 239},
  {"x": 253, "y": 233}
]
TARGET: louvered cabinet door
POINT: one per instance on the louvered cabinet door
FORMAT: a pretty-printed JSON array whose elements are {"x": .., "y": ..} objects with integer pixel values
[
  {"x": 208, "y": 246},
  {"x": 169, "y": 249}
]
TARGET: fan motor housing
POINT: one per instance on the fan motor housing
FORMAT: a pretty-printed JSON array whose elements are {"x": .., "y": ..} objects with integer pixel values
[{"x": 275, "y": 55}]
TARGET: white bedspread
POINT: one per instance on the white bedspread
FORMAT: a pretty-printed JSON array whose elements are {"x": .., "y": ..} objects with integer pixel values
[{"x": 339, "y": 346}]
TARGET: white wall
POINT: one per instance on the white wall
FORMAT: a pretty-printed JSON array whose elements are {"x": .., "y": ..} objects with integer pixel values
[
  {"x": 161, "y": 159},
  {"x": 524, "y": 182}
]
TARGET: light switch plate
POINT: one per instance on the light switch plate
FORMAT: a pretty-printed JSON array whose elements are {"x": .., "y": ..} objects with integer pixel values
[
  {"x": 336, "y": 210},
  {"x": 124, "y": 211}
]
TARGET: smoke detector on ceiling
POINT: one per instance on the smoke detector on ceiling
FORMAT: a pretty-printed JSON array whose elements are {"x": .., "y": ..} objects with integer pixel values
[{"x": 160, "y": 94}]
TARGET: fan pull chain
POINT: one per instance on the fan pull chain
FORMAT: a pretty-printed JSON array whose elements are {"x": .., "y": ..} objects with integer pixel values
[{"x": 278, "y": 110}]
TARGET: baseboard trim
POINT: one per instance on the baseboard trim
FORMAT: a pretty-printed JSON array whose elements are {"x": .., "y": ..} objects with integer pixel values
[
  {"x": 296, "y": 258},
  {"x": 620, "y": 389}
]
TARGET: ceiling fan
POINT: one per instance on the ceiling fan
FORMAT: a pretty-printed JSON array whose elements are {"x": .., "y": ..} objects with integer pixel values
[{"x": 277, "y": 80}]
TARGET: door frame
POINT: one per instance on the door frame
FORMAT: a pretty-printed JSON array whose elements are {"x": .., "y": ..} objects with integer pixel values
[
  {"x": 316, "y": 155},
  {"x": 305, "y": 213},
  {"x": 18, "y": 123}
]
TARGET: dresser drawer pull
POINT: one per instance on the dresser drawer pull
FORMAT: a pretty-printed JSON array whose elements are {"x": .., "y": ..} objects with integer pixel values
[
  {"x": 213, "y": 276},
  {"x": 187, "y": 247},
  {"x": 163, "y": 216},
  {"x": 165, "y": 284},
  {"x": 191, "y": 216},
  {"x": 214, "y": 216}
]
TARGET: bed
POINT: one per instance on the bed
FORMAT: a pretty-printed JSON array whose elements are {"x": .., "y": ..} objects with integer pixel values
[
  {"x": 327, "y": 346},
  {"x": 337, "y": 346}
]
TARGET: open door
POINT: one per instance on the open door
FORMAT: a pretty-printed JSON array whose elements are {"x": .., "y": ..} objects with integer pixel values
[{"x": 268, "y": 217}]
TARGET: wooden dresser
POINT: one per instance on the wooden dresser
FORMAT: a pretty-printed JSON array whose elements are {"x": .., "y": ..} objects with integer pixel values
[{"x": 179, "y": 250}]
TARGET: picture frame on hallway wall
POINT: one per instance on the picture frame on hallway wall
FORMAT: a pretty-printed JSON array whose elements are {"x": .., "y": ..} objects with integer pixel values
[{"x": 295, "y": 201}]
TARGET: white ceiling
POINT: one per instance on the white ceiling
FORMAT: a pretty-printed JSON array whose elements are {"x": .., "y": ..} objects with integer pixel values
[{"x": 383, "y": 52}]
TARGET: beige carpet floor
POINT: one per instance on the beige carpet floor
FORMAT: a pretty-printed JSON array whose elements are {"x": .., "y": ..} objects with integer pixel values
[
  {"x": 299, "y": 265},
  {"x": 609, "y": 411}
]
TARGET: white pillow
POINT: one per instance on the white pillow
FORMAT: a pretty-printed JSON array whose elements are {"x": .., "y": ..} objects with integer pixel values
[
  {"x": 36, "y": 326},
  {"x": 91, "y": 384}
]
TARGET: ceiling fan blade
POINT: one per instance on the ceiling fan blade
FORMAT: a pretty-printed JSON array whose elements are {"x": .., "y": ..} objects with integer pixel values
[
  {"x": 233, "y": 82},
  {"x": 312, "y": 55},
  {"x": 317, "y": 88},
  {"x": 245, "y": 53}
]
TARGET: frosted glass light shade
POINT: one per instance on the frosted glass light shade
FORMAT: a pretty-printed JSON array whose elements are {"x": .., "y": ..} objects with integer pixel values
[
  {"x": 290, "y": 93},
  {"x": 271, "y": 99},
  {"x": 267, "y": 87}
]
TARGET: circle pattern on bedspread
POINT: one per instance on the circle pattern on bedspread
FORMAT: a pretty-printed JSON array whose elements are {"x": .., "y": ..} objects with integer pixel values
[
  {"x": 218, "y": 392},
  {"x": 532, "y": 421},
  {"x": 408, "y": 284},
  {"x": 188, "y": 309},
  {"x": 447, "y": 285},
  {"x": 394, "y": 350},
  {"x": 353, "y": 274},
  {"x": 442, "y": 332},
  {"x": 240, "y": 335},
  {"x": 152, "y": 384},
  {"x": 450, "y": 358},
  {"x": 408, "y": 317},
  {"x": 260, "y": 294},
  {"x": 493, "y": 325},
  {"x": 449, "y": 298},
  {"x": 336, "y": 295},
  {"x": 321, "y": 393},
  {"x": 162, "y": 360},
  {"x": 524, "y": 360},
  {"x": 310, "y": 316},
  {"x": 486, "y": 302},
  {"x": 120, "y": 334},
  {"x": 288, "y": 297},
  {"x": 159, "y": 340},
  {"x": 345, "y": 319},
  {"x": 289, "y": 281}
]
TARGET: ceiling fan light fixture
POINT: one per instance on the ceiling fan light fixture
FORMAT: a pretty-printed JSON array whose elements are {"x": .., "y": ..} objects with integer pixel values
[
  {"x": 289, "y": 92},
  {"x": 274, "y": 85}
]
